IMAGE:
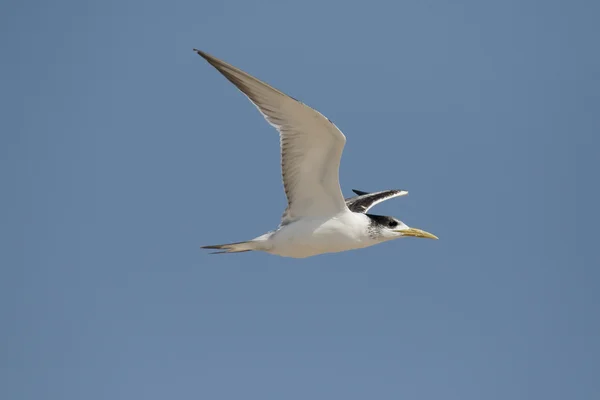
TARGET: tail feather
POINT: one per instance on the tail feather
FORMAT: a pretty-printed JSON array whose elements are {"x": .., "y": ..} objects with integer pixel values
[{"x": 239, "y": 247}]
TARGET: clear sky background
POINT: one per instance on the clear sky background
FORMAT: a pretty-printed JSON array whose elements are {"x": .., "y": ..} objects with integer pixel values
[{"x": 122, "y": 152}]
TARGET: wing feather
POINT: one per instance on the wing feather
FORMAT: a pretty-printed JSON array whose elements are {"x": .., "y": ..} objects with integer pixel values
[
  {"x": 311, "y": 145},
  {"x": 365, "y": 201}
]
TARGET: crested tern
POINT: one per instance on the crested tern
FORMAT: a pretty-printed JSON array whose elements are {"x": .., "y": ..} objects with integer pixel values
[{"x": 317, "y": 219}]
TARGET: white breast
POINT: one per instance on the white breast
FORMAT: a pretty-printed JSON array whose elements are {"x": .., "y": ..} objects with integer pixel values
[{"x": 308, "y": 237}]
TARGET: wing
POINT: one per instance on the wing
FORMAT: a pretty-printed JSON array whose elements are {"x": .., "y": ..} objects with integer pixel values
[
  {"x": 364, "y": 201},
  {"x": 311, "y": 146}
]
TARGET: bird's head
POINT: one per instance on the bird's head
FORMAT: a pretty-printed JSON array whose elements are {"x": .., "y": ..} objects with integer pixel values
[{"x": 388, "y": 228}]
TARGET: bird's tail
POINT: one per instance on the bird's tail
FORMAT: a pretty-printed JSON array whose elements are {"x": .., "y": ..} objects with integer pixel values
[{"x": 238, "y": 247}]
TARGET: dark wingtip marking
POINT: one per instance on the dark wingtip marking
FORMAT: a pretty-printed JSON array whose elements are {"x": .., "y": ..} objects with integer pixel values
[
  {"x": 204, "y": 55},
  {"x": 359, "y": 192}
]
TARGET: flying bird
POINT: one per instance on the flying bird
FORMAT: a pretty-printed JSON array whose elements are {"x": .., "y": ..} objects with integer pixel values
[{"x": 317, "y": 219}]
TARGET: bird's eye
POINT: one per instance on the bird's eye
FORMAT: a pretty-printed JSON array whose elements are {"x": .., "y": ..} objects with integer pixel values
[{"x": 392, "y": 224}]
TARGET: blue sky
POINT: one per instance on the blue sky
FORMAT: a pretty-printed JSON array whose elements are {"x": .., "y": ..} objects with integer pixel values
[{"x": 122, "y": 152}]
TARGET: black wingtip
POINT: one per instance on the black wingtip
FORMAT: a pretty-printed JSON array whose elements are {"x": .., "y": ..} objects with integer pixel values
[
  {"x": 201, "y": 53},
  {"x": 359, "y": 192},
  {"x": 215, "y": 62}
]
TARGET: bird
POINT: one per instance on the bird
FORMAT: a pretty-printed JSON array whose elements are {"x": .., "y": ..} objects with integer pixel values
[{"x": 318, "y": 219}]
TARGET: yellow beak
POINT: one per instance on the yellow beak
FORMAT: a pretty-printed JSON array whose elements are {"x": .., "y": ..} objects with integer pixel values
[{"x": 417, "y": 233}]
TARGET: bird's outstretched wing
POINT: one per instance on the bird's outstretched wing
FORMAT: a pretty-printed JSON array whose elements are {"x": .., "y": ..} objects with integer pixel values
[
  {"x": 364, "y": 201},
  {"x": 311, "y": 145}
]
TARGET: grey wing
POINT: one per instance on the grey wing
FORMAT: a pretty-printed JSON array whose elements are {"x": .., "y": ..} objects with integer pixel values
[
  {"x": 364, "y": 201},
  {"x": 311, "y": 145}
]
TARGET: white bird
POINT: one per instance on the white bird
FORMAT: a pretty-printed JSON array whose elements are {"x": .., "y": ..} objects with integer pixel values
[{"x": 318, "y": 219}]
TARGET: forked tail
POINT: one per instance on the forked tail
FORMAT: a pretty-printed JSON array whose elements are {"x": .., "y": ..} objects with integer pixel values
[{"x": 238, "y": 247}]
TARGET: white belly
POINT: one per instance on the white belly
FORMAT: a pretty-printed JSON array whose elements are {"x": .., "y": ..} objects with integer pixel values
[{"x": 309, "y": 237}]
